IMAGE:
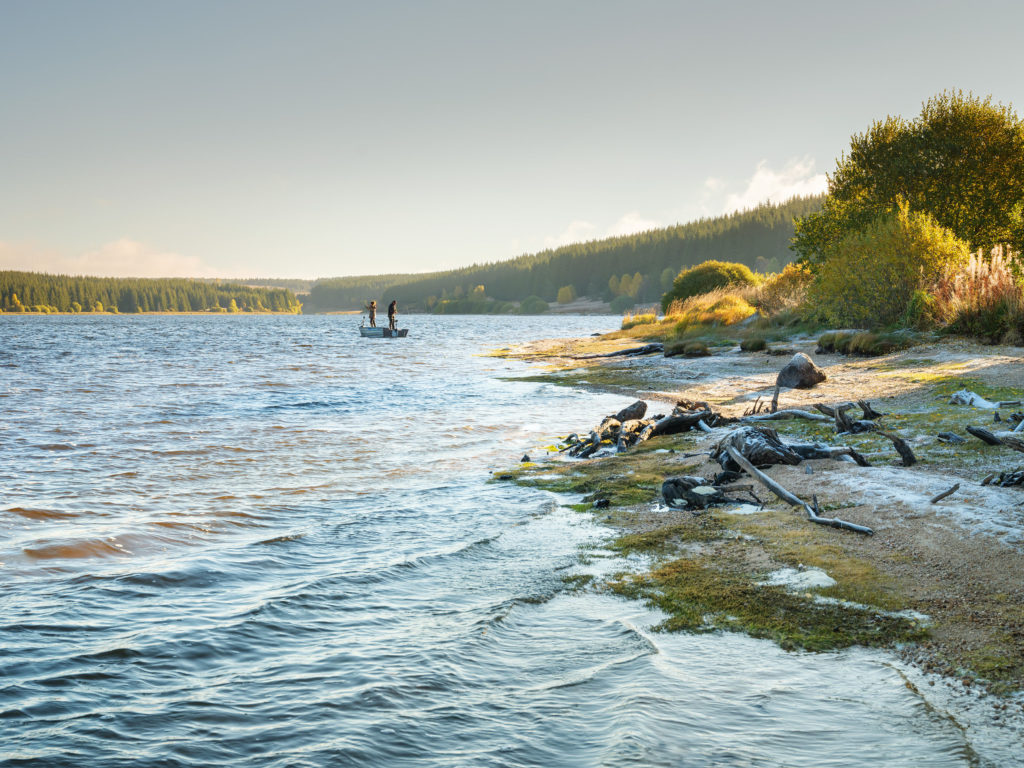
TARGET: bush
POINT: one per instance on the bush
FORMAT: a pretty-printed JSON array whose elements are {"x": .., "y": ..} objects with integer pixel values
[
  {"x": 707, "y": 277},
  {"x": 826, "y": 343},
  {"x": 533, "y": 305},
  {"x": 724, "y": 306},
  {"x": 753, "y": 344},
  {"x": 786, "y": 290},
  {"x": 622, "y": 303},
  {"x": 631, "y": 320},
  {"x": 869, "y": 278}
]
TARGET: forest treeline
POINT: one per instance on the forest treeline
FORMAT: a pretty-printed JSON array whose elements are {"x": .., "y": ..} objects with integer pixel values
[
  {"x": 38, "y": 292},
  {"x": 632, "y": 268}
]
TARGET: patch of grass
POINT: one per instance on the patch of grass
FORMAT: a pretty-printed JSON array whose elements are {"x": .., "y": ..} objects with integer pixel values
[
  {"x": 575, "y": 582},
  {"x": 701, "y": 528},
  {"x": 700, "y": 597},
  {"x": 687, "y": 349},
  {"x": 753, "y": 344}
]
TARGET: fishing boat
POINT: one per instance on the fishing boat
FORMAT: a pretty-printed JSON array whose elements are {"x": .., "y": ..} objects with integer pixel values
[{"x": 373, "y": 332}]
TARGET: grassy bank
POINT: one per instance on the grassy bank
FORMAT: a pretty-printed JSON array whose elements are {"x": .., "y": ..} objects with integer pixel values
[{"x": 937, "y": 583}]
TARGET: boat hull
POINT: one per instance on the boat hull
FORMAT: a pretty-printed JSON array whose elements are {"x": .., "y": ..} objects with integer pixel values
[{"x": 382, "y": 333}]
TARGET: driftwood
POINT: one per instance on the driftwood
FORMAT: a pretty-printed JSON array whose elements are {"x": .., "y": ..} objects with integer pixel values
[
  {"x": 950, "y": 437},
  {"x": 907, "y": 455},
  {"x": 646, "y": 349},
  {"x": 939, "y": 497},
  {"x": 683, "y": 422},
  {"x": 789, "y": 498},
  {"x": 789, "y": 413},
  {"x": 984, "y": 435},
  {"x": 696, "y": 493},
  {"x": 822, "y": 451},
  {"x": 761, "y": 445},
  {"x": 869, "y": 413},
  {"x": 775, "y": 400}
]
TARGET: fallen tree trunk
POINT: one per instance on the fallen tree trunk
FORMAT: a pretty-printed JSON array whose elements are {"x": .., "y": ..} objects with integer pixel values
[
  {"x": 792, "y": 500},
  {"x": 789, "y": 413},
  {"x": 984, "y": 435},
  {"x": 646, "y": 349},
  {"x": 671, "y": 425},
  {"x": 939, "y": 497}
]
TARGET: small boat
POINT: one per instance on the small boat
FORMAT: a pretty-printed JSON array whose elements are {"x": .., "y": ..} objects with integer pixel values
[{"x": 382, "y": 333}]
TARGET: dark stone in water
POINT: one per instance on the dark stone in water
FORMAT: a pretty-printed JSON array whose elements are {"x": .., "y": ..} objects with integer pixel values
[
  {"x": 526, "y": 457},
  {"x": 602, "y": 504}
]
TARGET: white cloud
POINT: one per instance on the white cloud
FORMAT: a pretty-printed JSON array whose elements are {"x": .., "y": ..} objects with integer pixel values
[
  {"x": 120, "y": 258},
  {"x": 797, "y": 177},
  {"x": 580, "y": 231},
  {"x": 576, "y": 232},
  {"x": 630, "y": 223}
]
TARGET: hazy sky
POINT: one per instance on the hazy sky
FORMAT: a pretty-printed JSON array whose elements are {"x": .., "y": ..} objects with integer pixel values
[{"x": 306, "y": 139}]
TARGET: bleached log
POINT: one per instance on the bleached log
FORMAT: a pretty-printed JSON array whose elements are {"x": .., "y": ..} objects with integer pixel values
[
  {"x": 936, "y": 499},
  {"x": 791, "y": 499},
  {"x": 789, "y": 413}
]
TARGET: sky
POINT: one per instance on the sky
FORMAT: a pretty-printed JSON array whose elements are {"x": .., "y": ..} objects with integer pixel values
[{"x": 306, "y": 139}]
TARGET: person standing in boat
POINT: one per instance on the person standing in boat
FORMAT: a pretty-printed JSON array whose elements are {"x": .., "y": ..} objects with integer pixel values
[
  {"x": 373, "y": 314},
  {"x": 392, "y": 314}
]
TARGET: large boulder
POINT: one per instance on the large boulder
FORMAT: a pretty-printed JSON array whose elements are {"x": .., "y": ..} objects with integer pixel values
[
  {"x": 800, "y": 373},
  {"x": 630, "y": 412}
]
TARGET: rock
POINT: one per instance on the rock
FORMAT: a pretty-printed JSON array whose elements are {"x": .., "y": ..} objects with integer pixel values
[
  {"x": 602, "y": 503},
  {"x": 630, "y": 412},
  {"x": 800, "y": 373},
  {"x": 691, "y": 492},
  {"x": 526, "y": 458}
]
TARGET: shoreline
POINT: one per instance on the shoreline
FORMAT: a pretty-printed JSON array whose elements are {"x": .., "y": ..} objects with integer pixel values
[{"x": 951, "y": 569}]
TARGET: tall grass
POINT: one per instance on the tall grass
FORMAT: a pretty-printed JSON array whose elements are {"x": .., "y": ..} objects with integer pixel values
[
  {"x": 640, "y": 317},
  {"x": 982, "y": 299}
]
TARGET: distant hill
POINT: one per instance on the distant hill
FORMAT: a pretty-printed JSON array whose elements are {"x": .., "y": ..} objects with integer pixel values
[{"x": 640, "y": 266}]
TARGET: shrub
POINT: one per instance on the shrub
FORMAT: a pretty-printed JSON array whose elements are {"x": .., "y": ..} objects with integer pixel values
[
  {"x": 869, "y": 277},
  {"x": 753, "y": 344},
  {"x": 622, "y": 303},
  {"x": 706, "y": 277},
  {"x": 631, "y": 320},
  {"x": 786, "y": 290},
  {"x": 723, "y": 306},
  {"x": 533, "y": 305}
]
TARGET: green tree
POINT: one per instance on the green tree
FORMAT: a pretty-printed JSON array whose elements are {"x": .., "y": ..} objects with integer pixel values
[
  {"x": 566, "y": 294},
  {"x": 961, "y": 161}
]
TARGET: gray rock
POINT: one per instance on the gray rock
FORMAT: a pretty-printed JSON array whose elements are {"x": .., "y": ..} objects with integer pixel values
[{"x": 800, "y": 373}]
